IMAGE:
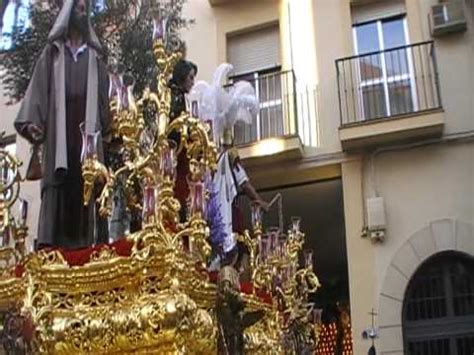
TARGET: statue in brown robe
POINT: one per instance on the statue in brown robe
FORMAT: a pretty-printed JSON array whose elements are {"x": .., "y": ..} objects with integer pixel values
[
  {"x": 69, "y": 88},
  {"x": 232, "y": 317}
]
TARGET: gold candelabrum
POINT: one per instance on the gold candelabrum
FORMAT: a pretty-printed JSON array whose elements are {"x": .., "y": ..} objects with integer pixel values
[
  {"x": 274, "y": 262},
  {"x": 13, "y": 231}
]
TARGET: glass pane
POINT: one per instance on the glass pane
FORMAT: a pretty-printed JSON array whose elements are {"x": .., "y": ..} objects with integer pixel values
[
  {"x": 368, "y": 41},
  {"x": 396, "y": 62},
  {"x": 400, "y": 97},
  {"x": 269, "y": 88},
  {"x": 393, "y": 33},
  {"x": 367, "y": 38},
  {"x": 371, "y": 67},
  {"x": 15, "y": 18},
  {"x": 374, "y": 101}
]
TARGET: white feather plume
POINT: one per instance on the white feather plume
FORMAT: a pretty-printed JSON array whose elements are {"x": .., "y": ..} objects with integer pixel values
[{"x": 225, "y": 106}]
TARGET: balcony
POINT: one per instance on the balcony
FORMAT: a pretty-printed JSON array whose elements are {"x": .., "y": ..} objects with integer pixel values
[
  {"x": 284, "y": 122},
  {"x": 389, "y": 96}
]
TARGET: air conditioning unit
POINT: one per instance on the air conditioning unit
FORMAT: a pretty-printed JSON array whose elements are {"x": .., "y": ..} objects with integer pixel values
[
  {"x": 375, "y": 214},
  {"x": 447, "y": 17}
]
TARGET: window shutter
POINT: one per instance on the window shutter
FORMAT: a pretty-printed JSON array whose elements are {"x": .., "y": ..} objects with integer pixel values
[{"x": 255, "y": 50}]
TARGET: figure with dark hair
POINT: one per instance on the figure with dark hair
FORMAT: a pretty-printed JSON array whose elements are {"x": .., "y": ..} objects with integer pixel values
[
  {"x": 68, "y": 90},
  {"x": 180, "y": 84}
]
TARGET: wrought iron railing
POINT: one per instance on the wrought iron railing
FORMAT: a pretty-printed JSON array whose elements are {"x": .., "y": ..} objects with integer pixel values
[
  {"x": 285, "y": 109},
  {"x": 397, "y": 81}
]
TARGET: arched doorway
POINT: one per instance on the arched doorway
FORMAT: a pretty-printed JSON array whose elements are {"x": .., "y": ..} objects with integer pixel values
[{"x": 438, "y": 308}]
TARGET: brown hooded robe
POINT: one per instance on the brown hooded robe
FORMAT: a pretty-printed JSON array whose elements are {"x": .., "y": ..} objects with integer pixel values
[{"x": 64, "y": 92}]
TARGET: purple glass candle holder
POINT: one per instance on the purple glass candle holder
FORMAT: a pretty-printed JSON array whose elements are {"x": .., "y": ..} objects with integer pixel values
[
  {"x": 296, "y": 224},
  {"x": 263, "y": 248},
  {"x": 168, "y": 160},
  {"x": 273, "y": 238},
  {"x": 256, "y": 216},
  {"x": 6, "y": 236},
  {"x": 160, "y": 24},
  {"x": 23, "y": 212},
  {"x": 150, "y": 196},
  {"x": 126, "y": 91},
  {"x": 195, "y": 109},
  {"x": 308, "y": 258},
  {"x": 197, "y": 191},
  {"x": 4, "y": 173},
  {"x": 89, "y": 144}
]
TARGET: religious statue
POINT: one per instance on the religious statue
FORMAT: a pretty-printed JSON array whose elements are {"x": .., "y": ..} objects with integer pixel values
[
  {"x": 230, "y": 307},
  {"x": 223, "y": 108},
  {"x": 67, "y": 92}
]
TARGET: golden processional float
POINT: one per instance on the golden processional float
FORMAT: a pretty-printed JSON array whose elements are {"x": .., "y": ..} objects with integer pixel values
[{"x": 150, "y": 292}]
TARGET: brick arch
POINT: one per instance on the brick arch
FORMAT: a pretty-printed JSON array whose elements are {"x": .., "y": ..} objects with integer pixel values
[{"x": 438, "y": 236}]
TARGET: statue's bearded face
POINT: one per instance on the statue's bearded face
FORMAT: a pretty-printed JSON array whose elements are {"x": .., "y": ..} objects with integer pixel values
[{"x": 79, "y": 16}]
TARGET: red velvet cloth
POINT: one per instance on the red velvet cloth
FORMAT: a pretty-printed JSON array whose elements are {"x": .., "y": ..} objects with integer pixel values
[{"x": 80, "y": 257}]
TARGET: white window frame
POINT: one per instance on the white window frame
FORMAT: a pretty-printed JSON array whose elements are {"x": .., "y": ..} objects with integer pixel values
[{"x": 385, "y": 79}]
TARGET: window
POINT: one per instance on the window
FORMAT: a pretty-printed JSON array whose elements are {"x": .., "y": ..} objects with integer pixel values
[
  {"x": 385, "y": 68},
  {"x": 255, "y": 56},
  {"x": 15, "y": 19},
  {"x": 438, "y": 312}
]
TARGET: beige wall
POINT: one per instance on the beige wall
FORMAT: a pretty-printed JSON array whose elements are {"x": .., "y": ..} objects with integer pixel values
[
  {"x": 201, "y": 37},
  {"x": 332, "y": 22},
  {"x": 428, "y": 191},
  {"x": 361, "y": 256}
]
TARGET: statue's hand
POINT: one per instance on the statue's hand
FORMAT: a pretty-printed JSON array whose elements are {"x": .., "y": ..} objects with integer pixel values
[{"x": 35, "y": 132}]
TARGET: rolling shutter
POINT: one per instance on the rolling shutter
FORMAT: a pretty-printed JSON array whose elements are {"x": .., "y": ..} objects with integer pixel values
[{"x": 255, "y": 50}]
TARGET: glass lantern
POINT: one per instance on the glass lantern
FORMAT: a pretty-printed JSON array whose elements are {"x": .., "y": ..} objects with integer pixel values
[
  {"x": 23, "y": 212},
  {"x": 256, "y": 217},
  {"x": 197, "y": 194},
  {"x": 296, "y": 224},
  {"x": 89, "y": 144},
  {"x": 168, "y": 160},
  {"x": 150, "y": 199},
  {"x": 308, "y": 258}
]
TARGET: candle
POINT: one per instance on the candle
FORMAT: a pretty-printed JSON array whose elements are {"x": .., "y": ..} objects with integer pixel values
[
  {"x": 273, "y": 236},
  {"x": 295, "y": 224},
  {"x": 150, "y": 194},
  {"x": 195, "y": 109},
  {"x": 256, "y": 215},
  {"x": 168, "y": 160},
  {"x": 263, "y": 248},
  {"x": 23, "y": 212},
  {"x": 308, "y": 258},
  {"x": 160, "y": 23},
  {"x": 126, "y": 91},
  {"x": 4, "y": 172},
  {"x": 89, "y": 144},
  {"x": 198, "y": 197}
]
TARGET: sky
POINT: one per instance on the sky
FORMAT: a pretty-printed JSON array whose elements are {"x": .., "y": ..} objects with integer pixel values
[{"x": 9, "y": 21}]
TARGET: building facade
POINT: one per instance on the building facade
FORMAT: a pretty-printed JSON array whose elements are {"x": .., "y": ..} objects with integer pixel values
[{"x": 366, "y": 130}]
